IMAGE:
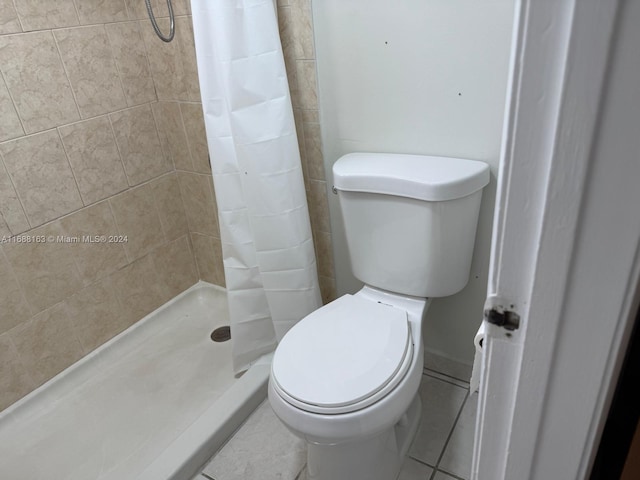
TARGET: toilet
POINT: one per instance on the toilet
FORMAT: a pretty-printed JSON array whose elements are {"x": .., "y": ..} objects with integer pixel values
[{"x": 345, "y": 378}]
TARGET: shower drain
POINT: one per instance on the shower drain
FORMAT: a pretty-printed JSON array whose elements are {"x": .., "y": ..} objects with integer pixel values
[{"x": 221, "y": 334}]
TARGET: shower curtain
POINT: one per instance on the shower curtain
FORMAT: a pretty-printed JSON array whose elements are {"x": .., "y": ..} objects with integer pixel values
[{"x": 267, "y": 246}]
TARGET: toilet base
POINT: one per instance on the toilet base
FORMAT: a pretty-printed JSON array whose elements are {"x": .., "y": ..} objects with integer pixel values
[{"x": 375, "y": 458}]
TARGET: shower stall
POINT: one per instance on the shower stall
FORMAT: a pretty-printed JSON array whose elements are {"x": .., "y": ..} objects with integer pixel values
[{"x": 112, "y": 253}]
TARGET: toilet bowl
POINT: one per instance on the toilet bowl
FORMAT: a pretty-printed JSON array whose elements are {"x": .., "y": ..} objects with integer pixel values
[{"x": 345, "y": 378}]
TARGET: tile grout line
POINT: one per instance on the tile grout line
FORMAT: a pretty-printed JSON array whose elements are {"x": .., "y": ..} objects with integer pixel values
[
  {"x": 15, "y": 107},
  {"x": 18, "y": 16},
  {"x": 446, "y": 379},
  {"x": 446, "y": 443},
  {"x": 116, "y": 64},
  {"x": 299, "y": 475},
  {"x": 420, "y": 461},
  {"x": 73, "y": 173},
  {"x": 448, "y": 474},
  {"x": 435, "y": 468},
  {"x": 186, "y": 137},
  {"x": 3, "y": 165},
  {"x": 431, "y": 371},
  {"x": 66, "y": 74}
]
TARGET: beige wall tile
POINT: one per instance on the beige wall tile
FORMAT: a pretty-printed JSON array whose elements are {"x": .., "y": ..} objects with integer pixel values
[
  {"x": 165, "y": 63},
  {"x": 313, "y": 149},
  {"x": 9, "y": 22},
  {"x": 318, "y": 206},
  {"x": 303, "y": 28},
  {"x": 137, "y": 9},
  {"x": 42, "y": 177},
  {"x": 292, "y": 79},
  {"x": 94, "y": 259},
  {"x": 324, "y": 254},
  {"x": 297, "y": 116},
  {"x": 180, "y": 7},
  {"x": 96, "y": 314},
  {"x": 287, "y": 36},
  {"x": 37, "y": 81},
  {"x": 45, "y": 269},
  {"x": 168, "y": 199},
  {"x": 94, "y": 158},
  {"x": 15, "y": 382},
  {"x": 4, "y": 229},
  {"x": 10, "y": 206},
  {"x": 138, "y": 289},
  {"x": 42, "y": 14},
  {"x": 208, "y": 253},
  {"x": 14, "y": 308},
  {"x": 157, "y": 111},
  {"x": 10, "y": 126},
  {"x": 132, "y": 62},
  {"x": 307, "y": 84},
  {"x": 199, "y": 203},
  {"x": 196, "y": 136},
  {"x": 173, "y": 65},
  {"x": 287, "y": 39},
  {"x": 172, "y": 134},
  {"x": 175, "y": 266},
  {"x": 47, "y": 343},
  {"x": 310, "y": 116},
  {"x": 92, "y": 70},
  {"x": 139, "y": 144},
  {"x": 137, "y": 219},
  {"x": 327, "y": 289},
  {"x": 101, "y": 11},
  {"x": 187, "y": 49}
]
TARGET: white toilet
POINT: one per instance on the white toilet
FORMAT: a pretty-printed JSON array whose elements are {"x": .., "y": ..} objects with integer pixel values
[{"x": 345, "y": 378}]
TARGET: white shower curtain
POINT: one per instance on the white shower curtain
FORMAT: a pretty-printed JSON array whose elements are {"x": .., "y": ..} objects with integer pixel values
[{"x": 269, "y": 259}]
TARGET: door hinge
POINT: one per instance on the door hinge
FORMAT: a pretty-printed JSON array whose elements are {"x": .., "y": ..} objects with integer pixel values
[{"x": 497, "y": 314}]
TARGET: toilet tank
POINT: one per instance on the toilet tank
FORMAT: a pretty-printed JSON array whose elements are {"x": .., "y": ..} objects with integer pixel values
[{"x": 410, "y": 220}]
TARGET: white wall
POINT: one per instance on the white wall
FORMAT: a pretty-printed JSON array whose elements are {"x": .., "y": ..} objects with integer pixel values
[{"x": 424, "y": 77}]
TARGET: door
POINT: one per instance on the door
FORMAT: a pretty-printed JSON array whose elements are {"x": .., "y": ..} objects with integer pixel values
[{"x": 565, "y": 241}]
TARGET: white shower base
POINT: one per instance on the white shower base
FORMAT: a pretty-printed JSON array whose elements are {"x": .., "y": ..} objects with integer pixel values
[{"x": 154, "y": 403}]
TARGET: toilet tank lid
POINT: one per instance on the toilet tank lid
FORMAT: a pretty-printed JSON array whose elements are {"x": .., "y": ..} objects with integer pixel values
[{"x": 422, "y": 177}]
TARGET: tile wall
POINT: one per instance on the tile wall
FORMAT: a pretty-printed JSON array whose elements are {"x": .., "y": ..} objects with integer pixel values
[
  {"x": 102, "y": 134},
  {"x": 296, "y": 34}
]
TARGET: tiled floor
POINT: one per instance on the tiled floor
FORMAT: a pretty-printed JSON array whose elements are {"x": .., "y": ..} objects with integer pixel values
[{"x": 264, "y": 449}]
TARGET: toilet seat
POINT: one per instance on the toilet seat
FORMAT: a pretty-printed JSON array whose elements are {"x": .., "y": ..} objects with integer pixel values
[{"x": 343, "y": 357}]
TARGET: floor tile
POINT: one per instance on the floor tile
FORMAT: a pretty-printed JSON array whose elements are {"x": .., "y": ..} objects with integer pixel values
[
  {"x": 447, "y": 366},
  {"x": 411, "y": 470},
  {"x": 443, "y": 476},
  {"x": 414, "y": 470},
  {"x": 458, "y": 454},
  {"x": 441, "y": 403},
  {"x": 264, "y": 448},
  {"x": 261, "y": 449},
  {"x": 446, "y": 378}
]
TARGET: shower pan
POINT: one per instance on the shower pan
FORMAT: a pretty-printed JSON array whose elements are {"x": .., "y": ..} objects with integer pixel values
[{"x": 154, "y": 403}]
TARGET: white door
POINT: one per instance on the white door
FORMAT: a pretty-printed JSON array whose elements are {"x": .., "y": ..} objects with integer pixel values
[{"x": 565, "y": 257}]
